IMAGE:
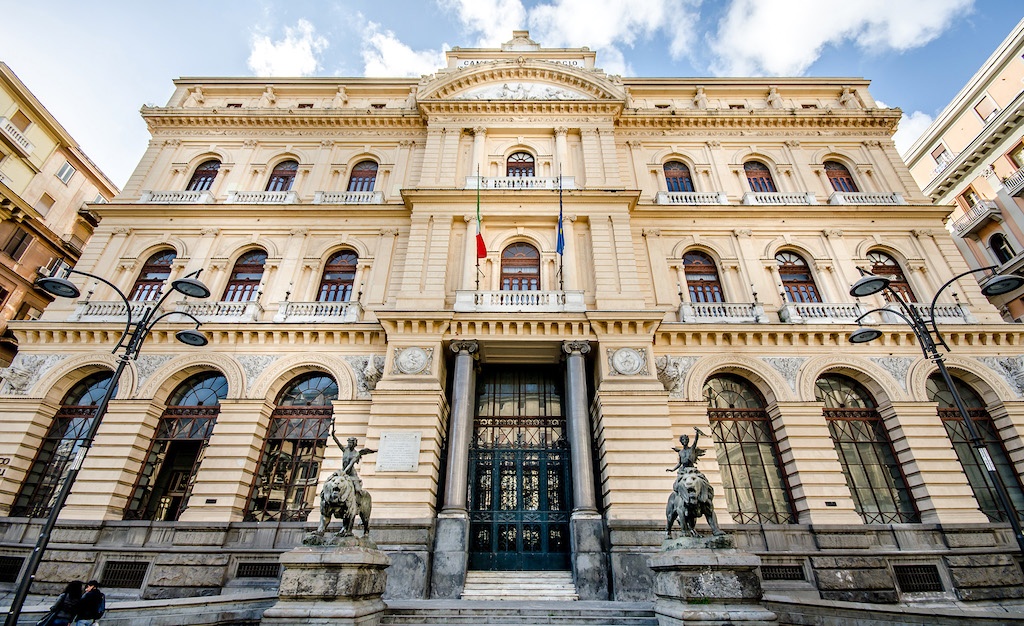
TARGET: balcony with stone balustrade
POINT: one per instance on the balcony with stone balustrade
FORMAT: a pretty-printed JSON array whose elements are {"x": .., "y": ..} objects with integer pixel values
[
  {"x": 15, "y": 138},
  {"x": 866, "y": 199},
  {"x": 722, "y": 313},
  {"x": 520, "y": 182},
  {"x": 691, "y": 198},
  {"x": 176, "y": 197},
  {"x": 778, "y": 198},
  {"x": 315, "y": 312},
  {"x": 821, "y": 312},
  {"x": 262, "y": 197},
  {"x": 348, "y": 197},
  {"x": 519, "y": 302}
]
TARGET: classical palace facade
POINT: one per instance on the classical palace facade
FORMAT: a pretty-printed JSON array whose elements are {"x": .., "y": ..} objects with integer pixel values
[{"x": 519, "y": 280}]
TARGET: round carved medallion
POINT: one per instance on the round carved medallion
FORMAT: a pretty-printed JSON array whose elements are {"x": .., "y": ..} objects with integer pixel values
[
  {"x": 627, "y": 361},
  {"x": 411, "y": 360}
]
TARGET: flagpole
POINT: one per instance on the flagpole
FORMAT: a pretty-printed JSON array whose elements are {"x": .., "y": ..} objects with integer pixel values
[{"x": 478, "y": 235}]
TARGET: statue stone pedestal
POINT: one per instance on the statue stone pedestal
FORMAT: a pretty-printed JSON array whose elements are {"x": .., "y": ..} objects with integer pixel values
[
  {"x": 340, "y": 581},
  {"x": 705, "y": 581}
]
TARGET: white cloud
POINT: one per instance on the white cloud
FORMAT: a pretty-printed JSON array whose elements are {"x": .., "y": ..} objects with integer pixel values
[
  {"x": 384, "y": 55},
  {"x": 910, "y": 129},
  {"x": 784, "y": 37},
  {"x": 494, "y": 20},
  {"x": 295, "y": 55}
]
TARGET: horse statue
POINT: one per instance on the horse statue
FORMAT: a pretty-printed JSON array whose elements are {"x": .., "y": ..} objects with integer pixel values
[
  {"x": 692, "y": 495},
  {"x": 340, "y": 499}
]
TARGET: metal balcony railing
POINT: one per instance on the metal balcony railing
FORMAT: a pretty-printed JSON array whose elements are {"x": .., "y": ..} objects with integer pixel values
[{"x": 976, "y": 217}]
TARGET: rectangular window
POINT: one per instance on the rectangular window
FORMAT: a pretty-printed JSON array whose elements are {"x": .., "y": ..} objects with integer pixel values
[
  {"x": 17, "y": 244},
  {"x": 737, "y": 106},
  {"x": 234, "y": 105},
  {"x": 970, "y": 198},
  {"x": 305, "y": 105},
  {"x": 941, "y": 155},
  {"x": 20, "y": 121},
  {"x": 986, "y": 109},
  {"x": 376, "y": 106},
  {"x": 4, "y": 292},
  {"x": 1016, "y": 156},
  {"x": 65, "y": 172},
  {"x": 809, "y": 106},
  {"x": 44, "y": 204}
]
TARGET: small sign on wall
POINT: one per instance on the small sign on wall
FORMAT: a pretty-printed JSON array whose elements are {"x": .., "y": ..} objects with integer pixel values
[{"x": 399, "y": 451}]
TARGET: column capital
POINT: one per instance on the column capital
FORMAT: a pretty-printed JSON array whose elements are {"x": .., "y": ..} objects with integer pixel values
[
  {"x": 561, "y": 131},
  {"x": 468, "y": 346},
  {"x": 581, "y": 346}
]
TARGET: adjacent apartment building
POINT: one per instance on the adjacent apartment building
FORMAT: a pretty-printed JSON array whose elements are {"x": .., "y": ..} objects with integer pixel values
[
  {"x": 971, "y": 161},
  {"x": 519, "y": 280},
  {"x": 46, "y": 185}
]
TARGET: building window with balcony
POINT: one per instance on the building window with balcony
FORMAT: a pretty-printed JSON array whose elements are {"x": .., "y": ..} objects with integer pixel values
[
  {"x": 202, "y": 178},
  {"x": 941, "y": 155},
  {"x": 520, "y": 165},
  {"x": 875, "y": 478},
  {"x": 154, "y": 274},
  {"x": 677, "y": 177},
  {"x": 702, "y": 277},
  {"x": 164, "y": 485},
  {"x": 969, "y": 199},
  {"x": 363, "y": 177},
  {"x": 60, "y": 446},
  {"x": 759, "y": 177},
  {"x": 840, "y": 177},
  {"x": 286, "y": 484},
  {"x": 520, "y": 268},
  {"x": 1001, "y": 248},
  {"x": 20, "y": 121},
  {"x": 884, "y": 265},
  {"x": 283, "y": 176},
  {"x": 339, "y": 276},
  {"x": 244, "y": 284},
  {"x": 796, "y": 277},
  {"x": 977, "y": 474},
  {"x": 1016, "y": 156},
  {"x": 18, "y": 243},
  {"x": 748, "y": 455}
]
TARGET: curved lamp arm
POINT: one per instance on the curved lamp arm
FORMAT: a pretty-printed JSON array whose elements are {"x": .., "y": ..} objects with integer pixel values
[
  {"x": 127, "y": 305},
  {"x": 906, "y": 318},
  {"x": 168, "y": 313},
  {"x": 938, "y": 292}
]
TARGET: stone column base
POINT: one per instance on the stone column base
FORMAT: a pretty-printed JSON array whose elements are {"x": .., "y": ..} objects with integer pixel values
[
  {"x": 706, "y": 582},
  {"x": 451, "y": 556},
  {"x": 589, "y": 556},
  {"x": 331, "y": 584}
]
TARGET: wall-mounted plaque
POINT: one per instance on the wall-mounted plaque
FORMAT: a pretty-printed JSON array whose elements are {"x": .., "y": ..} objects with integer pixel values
[{"x": 399, "y": 451}]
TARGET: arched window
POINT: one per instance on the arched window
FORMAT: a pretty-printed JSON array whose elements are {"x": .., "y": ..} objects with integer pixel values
[
  {"x": 165, "y": 484},
  {"x": 285, "y": 485},
  {"x": 203, "y": 177},
  {"x": 520, "y": 268},
  {"x": 339, "y": 275},
  {"x": 283, "y": 176},
  {"x": 759, "y": 177},
  {"x": 67, "y": 432},
  {"x": 977, "y": 474},
  {"x": 840, "y": 177},
  {"x": 520, "y": 165},
  {"x": 364, "y": 175},
  {"x": 702, "y": 277},
  {"x": 677, "y": 177},
  {"x": 796, "y": 278},
  {"x": 875, "y": 478},
  {"x": 245, "y": 277},
  {"x": 1001, "y": 248},
  {"x": 884, "y": 265},
  {"x": 748, "y": 455},
  {"x": 154, "y": 274}
]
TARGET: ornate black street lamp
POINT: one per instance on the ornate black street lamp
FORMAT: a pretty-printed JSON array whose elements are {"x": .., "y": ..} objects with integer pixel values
[
  {"x": 132, "y": 337},
  {"x": 929, "y": 338}
]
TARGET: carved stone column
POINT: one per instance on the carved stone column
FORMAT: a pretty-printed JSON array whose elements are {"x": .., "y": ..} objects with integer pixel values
[
  {"x": 586, "y": 526},
  {"x": 479, "y": 151},
  {"x": 451, "y": 537}
]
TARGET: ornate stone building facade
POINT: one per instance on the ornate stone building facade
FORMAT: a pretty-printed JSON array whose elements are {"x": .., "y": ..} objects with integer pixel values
[{"x": 651, "y": 256}]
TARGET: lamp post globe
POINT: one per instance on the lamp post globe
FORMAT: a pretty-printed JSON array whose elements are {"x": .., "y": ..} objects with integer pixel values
[
  {"x": 191, "y": 337},
  {"x": 60, "y": 287},
  {"x": 868, "y": 285},
  {"x": 192, "y": 287},
  {"x": 1002, "y": 284},
  {"x": 865, "y": 334}
]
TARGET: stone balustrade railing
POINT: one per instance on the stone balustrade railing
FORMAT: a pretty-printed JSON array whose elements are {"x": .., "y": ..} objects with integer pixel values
[
  {"x": 262, "y": 197},
  {"x": 849, "y": 198},
  {"x": 8, "y": 128},
  {"x": 778, "y": 198},
  {"x": 821, "y": 312},
  {"x": 519, "y": 182},
  {"x": 722, "y": 313},
  {"x": 343, "y": 312},
  {"x": 222, "y": 311},
  {"x": 519, "y": 301},
  {"x": 176, "y": 197},
  {"x": 108, "y": 311},
  {"x": 348, "y": 197},
  {"x": 691, "y": 198}
]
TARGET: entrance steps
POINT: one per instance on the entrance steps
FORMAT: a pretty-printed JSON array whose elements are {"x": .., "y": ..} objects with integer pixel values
[
  {"x": 527, "y": 586},
  {"x": 517, "y": 613}
]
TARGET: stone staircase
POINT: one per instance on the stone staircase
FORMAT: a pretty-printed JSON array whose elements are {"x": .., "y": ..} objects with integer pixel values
[
  {"x": 518, "y": 598},
  {"x": 517, "y": 613},
  {"x": 527, "y": 586}
]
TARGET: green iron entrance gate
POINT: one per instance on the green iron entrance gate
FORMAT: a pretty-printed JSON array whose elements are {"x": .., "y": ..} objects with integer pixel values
[{"x": 519, "y": 473}]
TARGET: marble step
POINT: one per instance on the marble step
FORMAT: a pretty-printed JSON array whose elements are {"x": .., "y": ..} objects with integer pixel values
[
  {"x": 525, "y": 586},
  {"x": 518, "y": 613}
]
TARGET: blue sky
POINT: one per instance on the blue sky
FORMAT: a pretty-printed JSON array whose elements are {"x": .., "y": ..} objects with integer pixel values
[{"x": 93, "y": 64}]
